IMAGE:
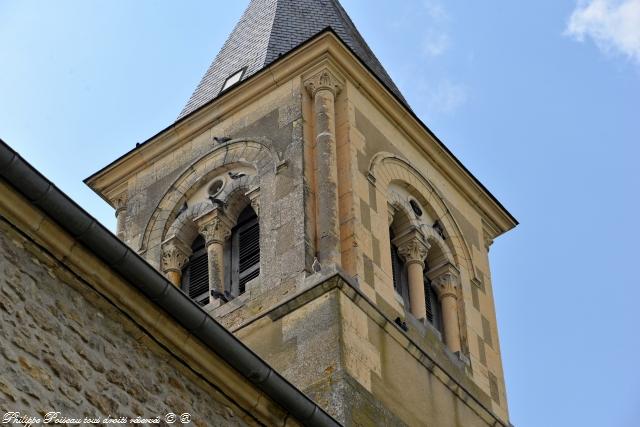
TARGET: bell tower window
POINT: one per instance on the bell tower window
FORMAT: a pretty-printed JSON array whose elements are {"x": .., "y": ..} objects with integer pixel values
[
  {"x": 399, "y": 271},
  {"x": 245, "y": 251},
  {"x": 195, "y": 276},
  {"x": 432, "y": 304}
]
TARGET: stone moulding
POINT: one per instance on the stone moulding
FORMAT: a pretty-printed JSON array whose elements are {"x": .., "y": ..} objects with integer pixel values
[
  {"x": 381, "y": 168},
  {"x": 448, "y": 368},
  {"x": 254, "y": 153},
  {"x": 77, "y": 246},
  {"x": 327, "y": 48}
]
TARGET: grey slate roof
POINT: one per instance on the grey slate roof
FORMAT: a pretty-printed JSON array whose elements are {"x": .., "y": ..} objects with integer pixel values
[{"x": 269, "y": 29}]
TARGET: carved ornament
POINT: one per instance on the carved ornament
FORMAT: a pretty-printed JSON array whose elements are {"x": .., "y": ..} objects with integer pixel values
[
  {"x": 446, "y": 285},
  {"x": 413, "y": 249},
  {"x": 174, "y": 257},
  {"x": 324, "y": 80},
  {"x": 217, "y": 230}
]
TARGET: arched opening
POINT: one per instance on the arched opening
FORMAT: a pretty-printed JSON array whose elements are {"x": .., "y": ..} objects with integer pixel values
[
  {"x": 244, "y": 253},
  {"x": 436, "y": 257},
  {"x": 400, "y": 224},
  {"x": 432, "y": 302},
  {"x": 399, "y": 271},
  {"x": 195, "y": 274}
]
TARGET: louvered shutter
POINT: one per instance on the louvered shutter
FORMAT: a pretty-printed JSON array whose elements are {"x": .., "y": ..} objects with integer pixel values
[
  {"x": 199, "y": 279},
  {"x": 248, "y": 255},
  {"x": 196, "y": 273},
  {"x": 432, "y": 303},
  {"x": 245, "y": 255},
  {"x": 396, "y": 270},
  {"x": 399, "y": 273},
  {"x": 428, "y": 299}
]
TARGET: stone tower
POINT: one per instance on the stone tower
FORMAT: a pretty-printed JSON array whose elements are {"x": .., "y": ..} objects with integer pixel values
[{"x": 300, "y": 201}]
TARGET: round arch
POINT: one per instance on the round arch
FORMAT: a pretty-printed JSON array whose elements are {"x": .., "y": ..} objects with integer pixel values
[
  {"x": 241, "y": 152},
  {"x": 387, "y": 169}
]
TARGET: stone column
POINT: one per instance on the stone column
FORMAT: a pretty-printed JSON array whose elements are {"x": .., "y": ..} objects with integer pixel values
[
  {"x": 121, "y": 212},
  {"x": 174, "y": 257},
  {"x": 323, "y": 88},
  {"x": 445, "y": 283},
  {"x": 216, "y": 229},
  {"x": 413, "y": 249}
]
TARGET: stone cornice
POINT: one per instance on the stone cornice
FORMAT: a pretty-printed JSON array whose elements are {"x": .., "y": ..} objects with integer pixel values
[{"x": 325, "y": 48}]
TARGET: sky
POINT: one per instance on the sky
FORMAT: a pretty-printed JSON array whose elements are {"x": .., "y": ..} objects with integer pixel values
[{"x": 539, "y": 99}]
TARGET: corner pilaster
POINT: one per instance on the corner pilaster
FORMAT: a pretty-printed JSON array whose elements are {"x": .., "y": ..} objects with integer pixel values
[{"x": 323, "y": 87}]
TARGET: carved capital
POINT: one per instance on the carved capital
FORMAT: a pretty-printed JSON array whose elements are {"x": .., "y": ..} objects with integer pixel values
[
  {"x": 120, "y": 203},
  {"x": 412, "y": 247},
  {"x": 217, "y": 230},
  {"x": 446, "y": 285},
  {"x": 323, "y": 80},
  {"x": 174, "y": 256}
]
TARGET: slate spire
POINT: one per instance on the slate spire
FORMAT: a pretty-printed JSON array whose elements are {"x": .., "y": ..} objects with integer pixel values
[{"x": 269, "y": 29}]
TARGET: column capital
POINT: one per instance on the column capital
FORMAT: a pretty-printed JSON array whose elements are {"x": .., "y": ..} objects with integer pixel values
[
  {"x": 174, "y": 255},
  {"x": 215, "y": 227},
  {"x": 412, "y": 247},
  {"x": 120, "y": 203},
  {"x": 445, "y": 280},
  {"x": 325, "y": 79}
]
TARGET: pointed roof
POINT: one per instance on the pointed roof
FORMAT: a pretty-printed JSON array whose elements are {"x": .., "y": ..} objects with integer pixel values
[{"x": 269, "y": 29}]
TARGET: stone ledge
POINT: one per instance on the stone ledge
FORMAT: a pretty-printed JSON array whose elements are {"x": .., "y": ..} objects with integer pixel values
[{"x": 420, "y": 341}]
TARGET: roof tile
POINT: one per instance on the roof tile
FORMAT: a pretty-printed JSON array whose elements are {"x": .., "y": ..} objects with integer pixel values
[{"x": 269, "y": 29}]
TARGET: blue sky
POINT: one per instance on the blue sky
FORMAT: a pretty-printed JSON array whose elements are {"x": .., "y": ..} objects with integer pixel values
[{"x": 539, "y": 99}]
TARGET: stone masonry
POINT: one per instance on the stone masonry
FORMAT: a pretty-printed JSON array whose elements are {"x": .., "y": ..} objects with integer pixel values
[{"x": 65, "y": 348}]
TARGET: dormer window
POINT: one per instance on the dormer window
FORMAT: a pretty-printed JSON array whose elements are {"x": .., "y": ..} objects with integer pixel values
[{"x": 233, "y": 79}]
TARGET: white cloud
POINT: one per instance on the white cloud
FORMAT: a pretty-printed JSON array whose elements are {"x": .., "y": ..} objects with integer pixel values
[
  {"x": 614, "y": 25},
  {"x": 444, "y": 98},
  {"x": 435, "y": 43},
  {"x": 435, "y": 10},
  {"x": 434, "y": 18},
  {"x": 450, "y": 96}
]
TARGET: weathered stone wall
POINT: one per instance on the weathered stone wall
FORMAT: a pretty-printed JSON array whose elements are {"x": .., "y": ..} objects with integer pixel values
[
  {"x": 65, "y": 348},
  {"x": 348, "y": 355},
  {"x": 282, "y": 121},
  {"x": 272, "y": 123},
  {"x": 367, "y": 135}
]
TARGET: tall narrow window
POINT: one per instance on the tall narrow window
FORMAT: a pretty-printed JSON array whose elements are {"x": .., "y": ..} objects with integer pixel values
[
  {"x": 400, "y": 283},
  {"x": 245, "y": 251},
  {"x": 195, "y": 276},
  {"x": 432, "y": 304}
]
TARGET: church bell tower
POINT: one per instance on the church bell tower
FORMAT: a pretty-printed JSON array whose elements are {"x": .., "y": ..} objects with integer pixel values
[{"x": 301, "y": 202}]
